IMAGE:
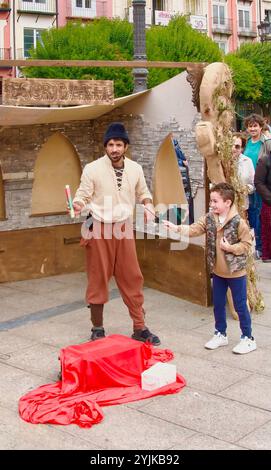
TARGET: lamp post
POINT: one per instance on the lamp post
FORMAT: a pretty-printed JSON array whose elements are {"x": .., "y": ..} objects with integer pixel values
[
  {"x": 140, "y": 74},
  {"x": 264, "y": 29}
]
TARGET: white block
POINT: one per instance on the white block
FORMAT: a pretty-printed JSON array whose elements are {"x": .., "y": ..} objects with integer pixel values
[{"x": 158, "y": 375}]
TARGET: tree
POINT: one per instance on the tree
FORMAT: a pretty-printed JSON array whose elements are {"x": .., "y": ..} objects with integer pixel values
[
  {"x": 178, "y": 42},
  {"x": 102, "y": 39},
  {"x": 105, "y": 39},
  {"x": 246, "y": 78},
  {"x": 259, "y": 55}
]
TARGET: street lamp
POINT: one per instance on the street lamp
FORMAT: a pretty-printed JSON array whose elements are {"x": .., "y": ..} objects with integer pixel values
[
  {"x": 264, "y": 29},
  {"x": 140, "y": 74}
]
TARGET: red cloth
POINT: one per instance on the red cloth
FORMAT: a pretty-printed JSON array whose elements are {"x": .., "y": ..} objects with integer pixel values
[{"x": 100, "y": 373}]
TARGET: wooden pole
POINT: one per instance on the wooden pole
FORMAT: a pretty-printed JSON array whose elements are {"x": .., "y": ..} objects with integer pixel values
[{"x": 100, "y": 63}]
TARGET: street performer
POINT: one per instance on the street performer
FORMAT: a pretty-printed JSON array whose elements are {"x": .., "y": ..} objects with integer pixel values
[{"x": 111, "y": 186}]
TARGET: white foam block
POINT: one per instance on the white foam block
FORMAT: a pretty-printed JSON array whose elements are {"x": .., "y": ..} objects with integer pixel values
[{"x": 158, "y": 375}]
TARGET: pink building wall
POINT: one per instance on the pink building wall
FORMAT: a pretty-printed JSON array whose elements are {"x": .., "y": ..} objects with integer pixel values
[
  {"x": 6, "y": 72},
  {"x": 104, "y": 8},
  {"x": 232, "y": 14},
  {"x": 62, "y": 12}
]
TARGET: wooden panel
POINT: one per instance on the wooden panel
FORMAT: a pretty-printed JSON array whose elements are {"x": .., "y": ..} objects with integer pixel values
[
  {"x": 180, "y": 273},
  {"x": 2, "y": 198},
  {"x": 167, "y": 181},
  {"x": 40, "y": 252},
  {"x": 55, "y": 92}
]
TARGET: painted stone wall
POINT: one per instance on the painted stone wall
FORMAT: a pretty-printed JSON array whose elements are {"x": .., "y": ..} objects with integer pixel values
[{"x": 19, "y": 147}]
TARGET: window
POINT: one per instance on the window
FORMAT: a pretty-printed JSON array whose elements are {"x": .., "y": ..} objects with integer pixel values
[
  {"x": 267, "y": 14},
  {"x": 222, "y": 46},
  {"x": 31, "y": 37},
  {"x": 160, "y": 5},
  {"x": 243, "y": 18},
  {"x": 83, "y": 4},
  {"x": 219, "y": 14},
  {"x": 194, "y": 7}
]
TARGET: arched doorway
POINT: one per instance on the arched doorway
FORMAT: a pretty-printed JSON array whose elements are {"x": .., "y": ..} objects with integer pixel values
[{"x": 57, "y": 164}]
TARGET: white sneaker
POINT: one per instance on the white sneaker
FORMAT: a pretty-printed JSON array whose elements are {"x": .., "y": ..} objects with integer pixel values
[
  {"x": 217, "y": 340},
  {"x": 245, "y": 346}
]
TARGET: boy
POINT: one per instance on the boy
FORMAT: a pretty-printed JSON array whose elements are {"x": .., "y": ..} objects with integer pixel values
[{"x": 228, "y": 242}]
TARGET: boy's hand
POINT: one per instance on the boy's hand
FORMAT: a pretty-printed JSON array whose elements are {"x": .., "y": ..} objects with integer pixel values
[
  {"x": 170, "y": 225},
  {"x": 225, "y": 245}
]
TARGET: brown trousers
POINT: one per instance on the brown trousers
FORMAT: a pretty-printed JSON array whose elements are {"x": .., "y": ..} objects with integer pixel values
[{"x": 111, "y": 255}]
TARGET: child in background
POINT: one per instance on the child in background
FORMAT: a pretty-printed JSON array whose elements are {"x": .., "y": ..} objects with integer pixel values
[{"x": 228, "y": 242}]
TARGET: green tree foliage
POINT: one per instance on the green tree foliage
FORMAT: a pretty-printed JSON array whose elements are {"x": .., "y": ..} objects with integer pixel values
[
  {"x": 259, "y": 54},
  {"x": 102, "y": 39},
  {"x": 178, "y": 42},
  {"x": 247, "y": 80},
  {"x": 105, "y": 39}
]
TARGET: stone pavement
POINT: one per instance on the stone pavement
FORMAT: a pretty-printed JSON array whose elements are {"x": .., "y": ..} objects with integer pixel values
[{"x": 225, "y": 405}]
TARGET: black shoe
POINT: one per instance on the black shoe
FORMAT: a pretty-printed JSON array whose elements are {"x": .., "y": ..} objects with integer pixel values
[
  {"x": 97, "y": 333},
  {"x": 146, "y": 336}
]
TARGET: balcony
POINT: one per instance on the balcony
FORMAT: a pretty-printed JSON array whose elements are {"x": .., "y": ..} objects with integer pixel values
[
  {"x": 5, "y": 6},
  {"x": 81, "y": 9},
  {"x": 40, "y": 7},
  {"x": 222, "y": 25},
  {"x": 247, "y": 30},
  {"x": 5, "y": 54}
]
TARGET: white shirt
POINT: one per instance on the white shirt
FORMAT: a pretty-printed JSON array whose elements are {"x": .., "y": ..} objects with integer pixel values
[
  {"x": 246, "y": 174},
  {"x": 99, "y": 190}
]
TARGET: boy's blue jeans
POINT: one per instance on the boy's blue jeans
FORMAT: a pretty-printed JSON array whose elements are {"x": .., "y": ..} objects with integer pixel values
[{"x": 238, "y": 286}]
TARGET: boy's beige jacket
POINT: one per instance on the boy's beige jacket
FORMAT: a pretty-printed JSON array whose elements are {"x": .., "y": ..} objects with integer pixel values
[{"x": 242, "y": 247}]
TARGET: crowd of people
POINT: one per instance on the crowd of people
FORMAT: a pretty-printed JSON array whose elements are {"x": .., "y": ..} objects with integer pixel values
[{"x": 252, "y": 151}]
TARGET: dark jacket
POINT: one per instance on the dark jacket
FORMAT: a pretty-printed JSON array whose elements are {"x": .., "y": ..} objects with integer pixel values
[{"x": 262, "y": 178}]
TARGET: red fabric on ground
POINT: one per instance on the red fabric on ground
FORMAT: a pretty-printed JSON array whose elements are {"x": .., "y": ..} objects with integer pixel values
[{"x": 100, "y": 373}]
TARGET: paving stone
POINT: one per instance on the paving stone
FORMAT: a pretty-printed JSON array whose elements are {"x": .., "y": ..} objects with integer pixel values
[
  {"x": 259, "y": 439},
  {"x": 19, "y": 435},
  {"x": 144, "y": 432},
  {"x": 202, "y": 442},
  {"x": 214, "y": 416},
  {"x": 254, "y": 390}
]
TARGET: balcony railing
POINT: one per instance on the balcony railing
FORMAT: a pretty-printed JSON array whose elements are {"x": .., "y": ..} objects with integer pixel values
[
  {"x": 5, "y": 54},
  {"x": 249, "y": 29},
  {"x": 222, "y": 25},
  {"x": 5, "y": 6},
  {"x": 42, "y": 7},
  {"x": 81, "y": 9}
]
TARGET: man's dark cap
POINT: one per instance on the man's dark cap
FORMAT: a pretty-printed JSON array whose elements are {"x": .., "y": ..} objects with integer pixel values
[{"x": 116, "y": 130}]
